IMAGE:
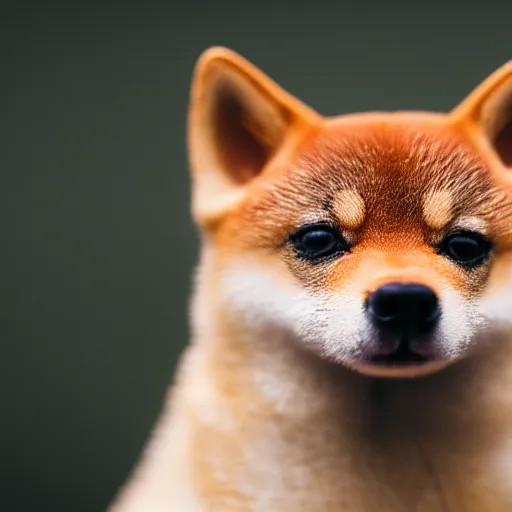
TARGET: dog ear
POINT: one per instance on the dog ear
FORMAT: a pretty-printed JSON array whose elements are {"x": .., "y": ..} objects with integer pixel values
[
  {"x": 238, "y": 121},
  {"x": 486, "y": 114}
]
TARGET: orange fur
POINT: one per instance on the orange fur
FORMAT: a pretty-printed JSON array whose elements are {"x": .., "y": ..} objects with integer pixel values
[{"x": 274, "y": 407}]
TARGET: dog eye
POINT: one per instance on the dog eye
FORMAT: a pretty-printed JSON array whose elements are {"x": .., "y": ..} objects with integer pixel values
[
  {"x": 468, "y": 248},
  {"x": 318, "y": 242}
]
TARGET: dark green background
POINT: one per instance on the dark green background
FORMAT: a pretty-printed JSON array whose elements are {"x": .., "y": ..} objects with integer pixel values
[{"x": 99, "y": 243}]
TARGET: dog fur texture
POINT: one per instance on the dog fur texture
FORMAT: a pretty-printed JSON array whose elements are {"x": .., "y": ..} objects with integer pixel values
[{"x": 274, "y": 407}]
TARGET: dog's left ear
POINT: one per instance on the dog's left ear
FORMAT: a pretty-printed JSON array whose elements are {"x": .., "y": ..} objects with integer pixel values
[{"x": 487, "y": 115}]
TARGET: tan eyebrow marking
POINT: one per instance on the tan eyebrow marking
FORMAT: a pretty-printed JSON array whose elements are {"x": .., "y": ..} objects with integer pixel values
[
  {"x": 349, "y": 207},
  {"x": 438, "y": 208},
  {"x": 471, "y": 224}
]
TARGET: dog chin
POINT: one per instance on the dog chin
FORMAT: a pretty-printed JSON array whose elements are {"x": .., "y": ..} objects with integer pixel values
[{"x": 395, "y": 371}]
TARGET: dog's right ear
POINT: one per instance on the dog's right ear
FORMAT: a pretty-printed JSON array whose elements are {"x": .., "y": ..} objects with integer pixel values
[{"x": 238, "y": 121}]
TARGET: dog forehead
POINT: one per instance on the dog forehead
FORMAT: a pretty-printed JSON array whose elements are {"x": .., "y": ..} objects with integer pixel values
[{"x": 397, "y": 163}]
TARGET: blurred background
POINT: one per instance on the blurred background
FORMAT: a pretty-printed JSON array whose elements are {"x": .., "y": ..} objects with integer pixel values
[{"x": 99, "y": 245}]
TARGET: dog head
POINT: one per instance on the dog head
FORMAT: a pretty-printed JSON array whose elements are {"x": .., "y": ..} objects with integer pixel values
[{"x": 382, "y": 241}]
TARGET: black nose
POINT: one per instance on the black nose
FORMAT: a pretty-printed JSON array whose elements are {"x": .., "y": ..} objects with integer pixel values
[{"x": 404, "y": 309}]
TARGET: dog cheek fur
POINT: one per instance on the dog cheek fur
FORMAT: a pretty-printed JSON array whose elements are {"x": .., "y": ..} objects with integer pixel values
[
  {"x": 332, "y": 327},
  {"x": 460, "y": 323},
  {"x": 496, "y": 302}
]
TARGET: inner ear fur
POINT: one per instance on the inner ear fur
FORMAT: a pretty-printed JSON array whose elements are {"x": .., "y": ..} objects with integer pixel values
[
  {"x": 487, "y": 112},
  {"x": 239, "y": 119}
]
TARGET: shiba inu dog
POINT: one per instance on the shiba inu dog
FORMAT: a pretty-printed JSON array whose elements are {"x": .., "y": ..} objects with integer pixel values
[{"x": 352, "y": 316}]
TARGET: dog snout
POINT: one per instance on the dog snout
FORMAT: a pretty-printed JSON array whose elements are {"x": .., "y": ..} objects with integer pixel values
[{"x": 404, "y": 310}]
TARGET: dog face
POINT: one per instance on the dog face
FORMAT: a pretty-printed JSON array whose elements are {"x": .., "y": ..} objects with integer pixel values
[{"x": 379, "y": 241}]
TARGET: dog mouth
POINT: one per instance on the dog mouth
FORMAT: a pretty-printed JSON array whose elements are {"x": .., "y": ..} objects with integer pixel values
[{"x": 403, "y": 355}]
